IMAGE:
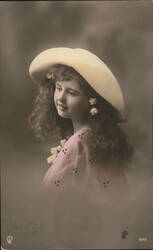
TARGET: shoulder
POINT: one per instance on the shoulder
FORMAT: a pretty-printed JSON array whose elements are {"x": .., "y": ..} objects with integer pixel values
[
  {"x": 84, "y": 135},
  {"x": 83, "y": 139}
]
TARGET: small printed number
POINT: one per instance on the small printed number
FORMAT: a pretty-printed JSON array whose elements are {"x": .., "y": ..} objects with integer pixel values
[{"x": 142, "y": 239}]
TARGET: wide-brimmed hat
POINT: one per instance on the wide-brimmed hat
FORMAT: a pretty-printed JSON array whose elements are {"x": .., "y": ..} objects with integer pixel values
[{"x": 88, "y": 65}]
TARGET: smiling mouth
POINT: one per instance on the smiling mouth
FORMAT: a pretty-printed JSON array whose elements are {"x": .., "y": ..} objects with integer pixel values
[{"x": 61, "y": 107}]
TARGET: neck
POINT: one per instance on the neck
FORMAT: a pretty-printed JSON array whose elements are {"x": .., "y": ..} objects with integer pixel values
[{"x": 77, "y": 125}]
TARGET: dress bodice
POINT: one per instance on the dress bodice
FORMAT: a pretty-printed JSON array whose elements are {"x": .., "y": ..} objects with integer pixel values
[{"x": 78, "y": 165}]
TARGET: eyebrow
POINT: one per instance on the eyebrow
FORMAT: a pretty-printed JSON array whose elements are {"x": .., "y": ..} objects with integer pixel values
[{"x": 75, "y": 90}]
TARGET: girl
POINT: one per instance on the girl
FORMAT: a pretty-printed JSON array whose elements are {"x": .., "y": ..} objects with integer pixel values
[
  {"x": 80, "y": 100},
  {"x": 80, "y": 103}
]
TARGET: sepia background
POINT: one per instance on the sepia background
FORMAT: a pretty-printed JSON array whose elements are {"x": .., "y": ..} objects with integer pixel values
[{"x": 120, "y": 33}]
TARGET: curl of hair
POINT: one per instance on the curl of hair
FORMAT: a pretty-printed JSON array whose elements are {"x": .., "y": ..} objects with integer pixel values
[{"x": 111, "y": 140}]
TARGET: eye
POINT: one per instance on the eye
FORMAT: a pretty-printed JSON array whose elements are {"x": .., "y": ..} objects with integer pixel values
[
  {"x": 58, "y": 88},
  {"x": 72, "y": 93}
]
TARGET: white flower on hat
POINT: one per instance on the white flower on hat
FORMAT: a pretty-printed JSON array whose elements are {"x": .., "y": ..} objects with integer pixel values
[
  {"x": 94, "y": 111},
  {"x": 50, "y": 76}
]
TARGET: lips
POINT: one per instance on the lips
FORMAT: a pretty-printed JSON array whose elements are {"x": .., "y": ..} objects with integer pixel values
[{"x": 61, "y": 107}]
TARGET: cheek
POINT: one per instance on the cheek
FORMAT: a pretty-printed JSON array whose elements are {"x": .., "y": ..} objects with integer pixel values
[{"x": 79, "y": 105}]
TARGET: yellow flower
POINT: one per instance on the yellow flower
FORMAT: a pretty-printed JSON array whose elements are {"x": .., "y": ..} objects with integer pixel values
[
  {"x": 51, "y": 158},
  {"x": 62, "y": 142},
  {"x": 58, "y": 148},
  {"x": 54, "y": 151}
]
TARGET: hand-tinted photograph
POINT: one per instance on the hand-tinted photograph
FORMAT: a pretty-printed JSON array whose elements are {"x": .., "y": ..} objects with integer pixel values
[{"x": 76, "y": 127}]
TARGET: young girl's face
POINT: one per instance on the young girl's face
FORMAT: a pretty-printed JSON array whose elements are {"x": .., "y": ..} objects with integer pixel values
[{"x": 70, "y": 100}]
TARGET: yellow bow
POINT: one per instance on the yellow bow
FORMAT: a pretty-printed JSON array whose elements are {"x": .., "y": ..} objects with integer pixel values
[{"x": 54, "y": 151}]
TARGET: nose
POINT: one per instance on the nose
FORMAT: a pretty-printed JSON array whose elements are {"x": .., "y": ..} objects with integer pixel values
[{"x": 62, "y": 96}]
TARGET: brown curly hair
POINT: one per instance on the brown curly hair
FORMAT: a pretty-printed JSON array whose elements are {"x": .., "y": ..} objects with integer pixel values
[{"x": 46, "y": 123}]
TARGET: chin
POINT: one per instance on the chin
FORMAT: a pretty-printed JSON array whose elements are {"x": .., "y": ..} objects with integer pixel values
[{"x": 63, "y": 114}]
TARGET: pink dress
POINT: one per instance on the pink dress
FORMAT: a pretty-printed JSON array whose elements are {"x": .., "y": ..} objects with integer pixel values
[
  {"x": 78, "y": 166},
  {"x": 81, "y": 196}
]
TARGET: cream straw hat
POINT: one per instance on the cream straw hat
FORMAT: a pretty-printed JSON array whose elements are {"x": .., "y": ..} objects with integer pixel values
[{"x": 92, "y": 68}]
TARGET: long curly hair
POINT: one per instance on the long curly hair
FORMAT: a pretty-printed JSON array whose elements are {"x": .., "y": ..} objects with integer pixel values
[{"x": 44, "y": 120}]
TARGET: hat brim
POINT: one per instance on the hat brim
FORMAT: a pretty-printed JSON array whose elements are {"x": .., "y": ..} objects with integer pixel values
[{"x": 93, "y": 70}]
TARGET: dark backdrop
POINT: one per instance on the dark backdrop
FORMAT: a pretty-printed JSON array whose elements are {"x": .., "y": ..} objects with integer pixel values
[{"x": 120, "y": 33}]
